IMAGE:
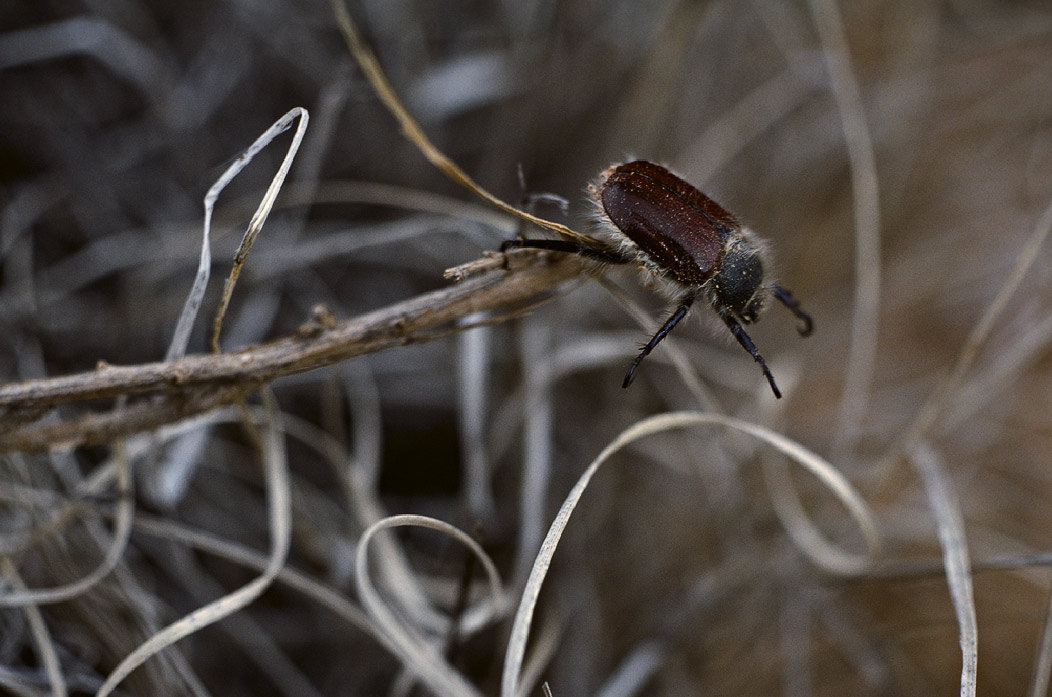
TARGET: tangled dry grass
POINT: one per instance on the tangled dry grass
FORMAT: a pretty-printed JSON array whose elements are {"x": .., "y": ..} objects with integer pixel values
[{"x": 378, "y": 518}]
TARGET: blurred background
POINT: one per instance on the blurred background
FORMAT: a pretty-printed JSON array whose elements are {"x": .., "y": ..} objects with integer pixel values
[{"x": 896, "y": 154}]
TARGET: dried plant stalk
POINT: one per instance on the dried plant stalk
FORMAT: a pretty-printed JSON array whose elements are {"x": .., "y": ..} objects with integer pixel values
[{"x": 196, "y": 384}]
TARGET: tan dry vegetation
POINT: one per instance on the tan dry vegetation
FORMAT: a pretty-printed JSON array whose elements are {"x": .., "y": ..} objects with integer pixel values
[{"x": 896, "y": 154}]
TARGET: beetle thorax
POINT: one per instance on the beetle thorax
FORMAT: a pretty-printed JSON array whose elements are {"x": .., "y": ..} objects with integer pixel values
[{"x": 739, "y": 286}]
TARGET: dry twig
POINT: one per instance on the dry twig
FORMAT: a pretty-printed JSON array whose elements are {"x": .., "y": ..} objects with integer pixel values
[{"x": 198, "y": 383}]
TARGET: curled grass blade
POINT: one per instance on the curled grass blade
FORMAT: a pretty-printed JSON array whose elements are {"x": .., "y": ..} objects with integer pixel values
[
  {"x": 38, "y": 628},
  {"x": 418, "y": 655},
  {"x": 260, "y": 217},
  {"x": 181, "y": 337},
  {"x": 280, "y": 515},
  {"x": 122, "y": 529},
  {"x": 832, "y": 479}
]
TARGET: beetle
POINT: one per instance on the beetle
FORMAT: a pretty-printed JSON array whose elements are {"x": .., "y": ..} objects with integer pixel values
[{"x": 686, "y": 241}]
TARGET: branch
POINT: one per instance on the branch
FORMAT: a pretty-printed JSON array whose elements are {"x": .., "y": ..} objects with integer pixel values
[{"x": 195, "y": 384}]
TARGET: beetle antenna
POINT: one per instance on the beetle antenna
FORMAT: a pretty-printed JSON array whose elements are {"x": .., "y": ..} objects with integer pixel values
[
  {"x": 605, "y": 255},
  {"x": 747, "y": 344},
  {"x": 671, "y": 322},
  {"x": 793, "y": 304}
]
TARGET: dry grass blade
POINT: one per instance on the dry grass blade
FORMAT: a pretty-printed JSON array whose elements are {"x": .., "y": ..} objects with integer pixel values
[
  {"x": 118, "y": 544},
  {"x": 1043, "y": 660},
  {"x": 545, "y": 647},
  {"x": 950, "y": 524},
  {"x": 265, "y": 206},
  {"x": 864, "y": 323},
  {"x": 279, "y": 513},
  {"x": 177, "y": 348},
  {"x": 45, "y": 646},
  {"x": 939, "y": 398},
  {"x": 797, "y": 523},
  {"x": 663, "y": 422},
  {"x": 538, "y": 420},
  {"x": 418, "y": 655},
  {"x": 763, "y": 107},
  {"x": 97, "y": 37},
  {"x": 475, "y": 350},
  {"x": 380, "y": 84},
  {"x": 635, "y": 671},
  {"x": 331, "y": 598}
]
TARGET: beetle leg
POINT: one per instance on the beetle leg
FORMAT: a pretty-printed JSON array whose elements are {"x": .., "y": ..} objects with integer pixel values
[
  {"x": 604, "y": 255},
  {"x": 747, "y": 344},
  {"x": 793, "y": 304},
  {"x": 671, "y": 322}
]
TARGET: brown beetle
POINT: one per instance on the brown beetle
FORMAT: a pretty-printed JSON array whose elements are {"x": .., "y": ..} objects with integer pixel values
[{"x": 687, "y": 241}]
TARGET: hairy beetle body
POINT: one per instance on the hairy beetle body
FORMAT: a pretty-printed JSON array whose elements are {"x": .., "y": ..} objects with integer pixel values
[{"x": 683, "y": 238}]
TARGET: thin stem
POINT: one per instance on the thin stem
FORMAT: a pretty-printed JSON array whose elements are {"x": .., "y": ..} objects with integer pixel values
[{"x": 198, "y": 383}]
